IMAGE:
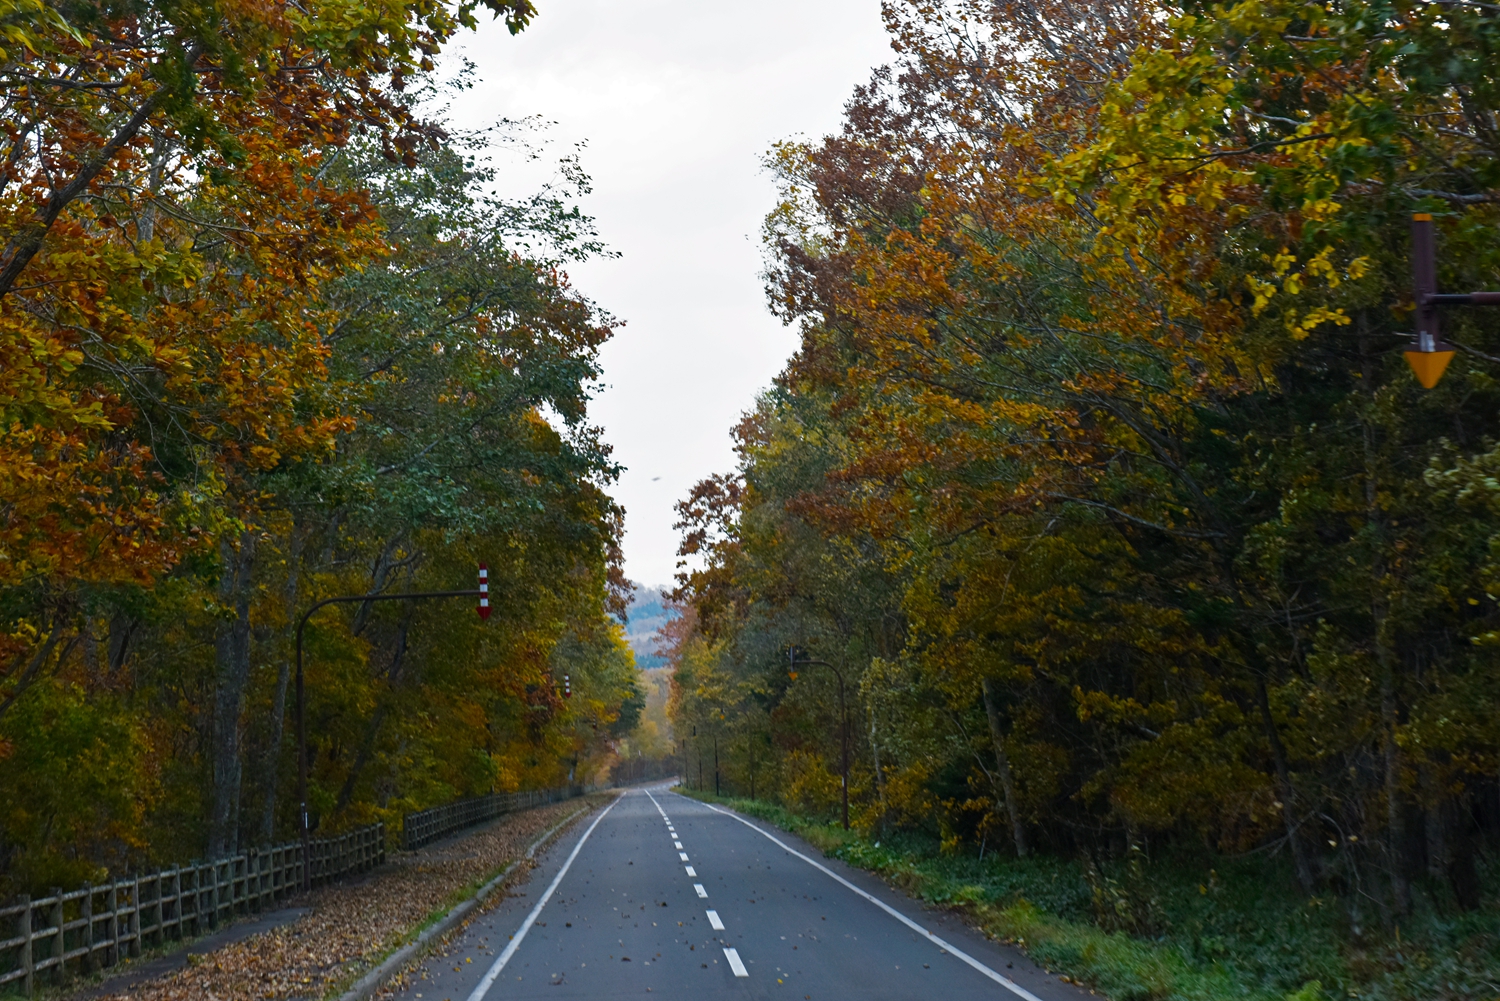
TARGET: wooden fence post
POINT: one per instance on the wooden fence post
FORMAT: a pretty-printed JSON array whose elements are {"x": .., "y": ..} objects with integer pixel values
[
  {"x": 90, "y": 961},
  {"x": 161, "y": 917},
  {"x": 213, "y": 895},
  {"x": 198, "y": 924},
  {"x": 59, "y": 949},
  {"x": 177, "y": 902},
  {"x": 24, "y": 930},
  {"x": 165, "y": 885},
  {"x": 111, "y": 925},
  {"x": 135, "y": 916}
]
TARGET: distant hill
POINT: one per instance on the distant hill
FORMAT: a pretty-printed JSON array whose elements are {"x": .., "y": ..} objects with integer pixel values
[{"x": 648, "y": 613}]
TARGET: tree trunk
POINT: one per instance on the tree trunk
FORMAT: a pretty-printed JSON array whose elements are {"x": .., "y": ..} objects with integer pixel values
[
  {"x": 121, "y": 628},
  {"x": 1002, "y": 767},
  {"x": 1395, "y": 814},
  {"x": 283, "y": 677},
  {"x": 1463, "y": 876},
  {"x": 273, "y": 755},
  {"x": 879, "y": 772},
  {"x": 362, "y": 757},
  {"x": 33, "y": 669},
  {"x": 1385, "y": 657},
  {"x": 1436, "y": 822},
  {"x": 1287, "y": 790},
  {"x": 367, "y": 745},
  {"x": 232, "y": 657}
]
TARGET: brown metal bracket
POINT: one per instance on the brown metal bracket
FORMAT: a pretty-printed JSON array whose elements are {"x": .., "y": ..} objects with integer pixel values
[{"x": 1429, "y": 355}]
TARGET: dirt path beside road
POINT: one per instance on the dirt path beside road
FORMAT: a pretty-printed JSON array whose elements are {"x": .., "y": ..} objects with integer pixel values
[{"x": 347, "y": 927}]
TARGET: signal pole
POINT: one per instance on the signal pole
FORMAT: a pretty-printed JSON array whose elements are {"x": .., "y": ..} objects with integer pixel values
[
  {"x": 1429, "y": 354},
  {"x": 482, "y": 592}
]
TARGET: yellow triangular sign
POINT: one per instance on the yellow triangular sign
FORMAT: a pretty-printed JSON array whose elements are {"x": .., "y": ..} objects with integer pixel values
[{"x": 1429, "y": 365}]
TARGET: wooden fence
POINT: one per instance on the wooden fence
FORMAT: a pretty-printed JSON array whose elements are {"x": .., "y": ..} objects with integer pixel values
[
  {"x": 426, "y": 826},
  {"x": 97, "y": 926}
]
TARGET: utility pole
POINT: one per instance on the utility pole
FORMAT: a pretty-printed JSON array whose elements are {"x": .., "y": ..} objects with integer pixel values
[{"x": 482, "y": 592}]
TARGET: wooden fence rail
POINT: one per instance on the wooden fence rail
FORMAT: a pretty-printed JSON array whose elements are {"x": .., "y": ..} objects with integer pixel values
[
  {"x": 426, "y": 826},
  {"x": 97, "y": 926}
]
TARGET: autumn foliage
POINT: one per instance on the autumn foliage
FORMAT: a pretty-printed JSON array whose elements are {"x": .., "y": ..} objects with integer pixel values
[
  {"x": 1099, "y": 469},
  {"x": 265, "y": 337}
]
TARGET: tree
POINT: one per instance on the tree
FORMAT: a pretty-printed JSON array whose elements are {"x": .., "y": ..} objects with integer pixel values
[{"x": 1097, "y": 309}]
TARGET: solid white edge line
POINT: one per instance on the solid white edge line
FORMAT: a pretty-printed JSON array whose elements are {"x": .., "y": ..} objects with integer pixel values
[
  {"x": 998, "y": 978},
  {"x": 735, "y": 963},
  {"x": 515, "y": 942},
  {"x": 714, "y": 921}
]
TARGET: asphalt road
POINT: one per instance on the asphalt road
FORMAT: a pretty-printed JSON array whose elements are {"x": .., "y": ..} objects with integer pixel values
[{"x": 662, "y": 895}]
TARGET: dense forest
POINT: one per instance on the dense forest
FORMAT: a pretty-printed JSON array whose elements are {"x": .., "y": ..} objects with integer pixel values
[
  {"x": 267, "y": 337},
  {"x": 1099, "y": 485}
]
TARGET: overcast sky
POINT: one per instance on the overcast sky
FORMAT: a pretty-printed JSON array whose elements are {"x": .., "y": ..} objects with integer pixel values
[{"x": 677, "y": 100}]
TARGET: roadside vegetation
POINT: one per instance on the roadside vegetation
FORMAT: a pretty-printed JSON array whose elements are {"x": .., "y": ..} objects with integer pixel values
[
  {"x": 1178, "y": 926},
  {"x": 1099, "y": 516},
  {"x": 268, "y": 336}
]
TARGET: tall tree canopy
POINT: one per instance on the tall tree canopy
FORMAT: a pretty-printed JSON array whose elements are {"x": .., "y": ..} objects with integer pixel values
[
  {"x": 267, "y": 336},
  {"x": 1099, "y": 471}
]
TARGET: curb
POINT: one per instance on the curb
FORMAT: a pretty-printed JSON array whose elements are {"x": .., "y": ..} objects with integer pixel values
[{"x": 366, "y": 986}]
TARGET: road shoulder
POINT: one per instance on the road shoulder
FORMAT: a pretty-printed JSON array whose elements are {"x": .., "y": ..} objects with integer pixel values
[
  {"x": 954, "y": 925},
  {"x": 347, "y": 930}
]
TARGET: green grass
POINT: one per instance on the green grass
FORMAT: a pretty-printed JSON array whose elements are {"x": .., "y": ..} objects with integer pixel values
[{"x": 1203, "y": 928}]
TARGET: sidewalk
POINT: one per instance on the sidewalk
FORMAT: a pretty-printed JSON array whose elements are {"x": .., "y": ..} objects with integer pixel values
[{"x": 325, "y": 940}]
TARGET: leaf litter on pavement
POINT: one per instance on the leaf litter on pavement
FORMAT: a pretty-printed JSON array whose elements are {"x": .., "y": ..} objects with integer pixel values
[{"x": 350, "y": 926}]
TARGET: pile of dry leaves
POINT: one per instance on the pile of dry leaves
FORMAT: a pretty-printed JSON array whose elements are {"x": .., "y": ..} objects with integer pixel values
[{"x": 351, "y": 926}]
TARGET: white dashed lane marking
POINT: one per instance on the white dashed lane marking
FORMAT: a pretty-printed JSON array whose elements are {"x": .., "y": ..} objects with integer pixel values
[
  {"x": 731, "y": 955},
  {"x": 947, "y": 947}
]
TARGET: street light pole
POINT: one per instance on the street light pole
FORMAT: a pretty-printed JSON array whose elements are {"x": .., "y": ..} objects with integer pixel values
[
  {"x": 843, "y": 719},
  {"x": 482, "y": 592}
]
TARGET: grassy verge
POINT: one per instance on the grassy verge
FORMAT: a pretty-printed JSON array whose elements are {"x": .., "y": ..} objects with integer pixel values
[{"x": 1202, "y": 929}]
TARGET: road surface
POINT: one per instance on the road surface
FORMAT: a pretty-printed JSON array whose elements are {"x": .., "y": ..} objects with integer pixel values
[{"x": 661, "y": 895}]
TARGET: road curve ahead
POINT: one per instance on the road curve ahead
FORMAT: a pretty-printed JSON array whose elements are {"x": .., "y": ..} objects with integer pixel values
[{"x": 660, "y": 895}]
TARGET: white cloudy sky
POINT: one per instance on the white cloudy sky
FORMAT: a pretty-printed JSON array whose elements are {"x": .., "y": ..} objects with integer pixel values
[{"x": 677, "y": 100}]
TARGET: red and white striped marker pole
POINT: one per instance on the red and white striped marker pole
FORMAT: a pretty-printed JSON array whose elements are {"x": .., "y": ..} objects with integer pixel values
[
  {"x": 484, "y": 591},
  {"x": 567, "y": 687}
]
